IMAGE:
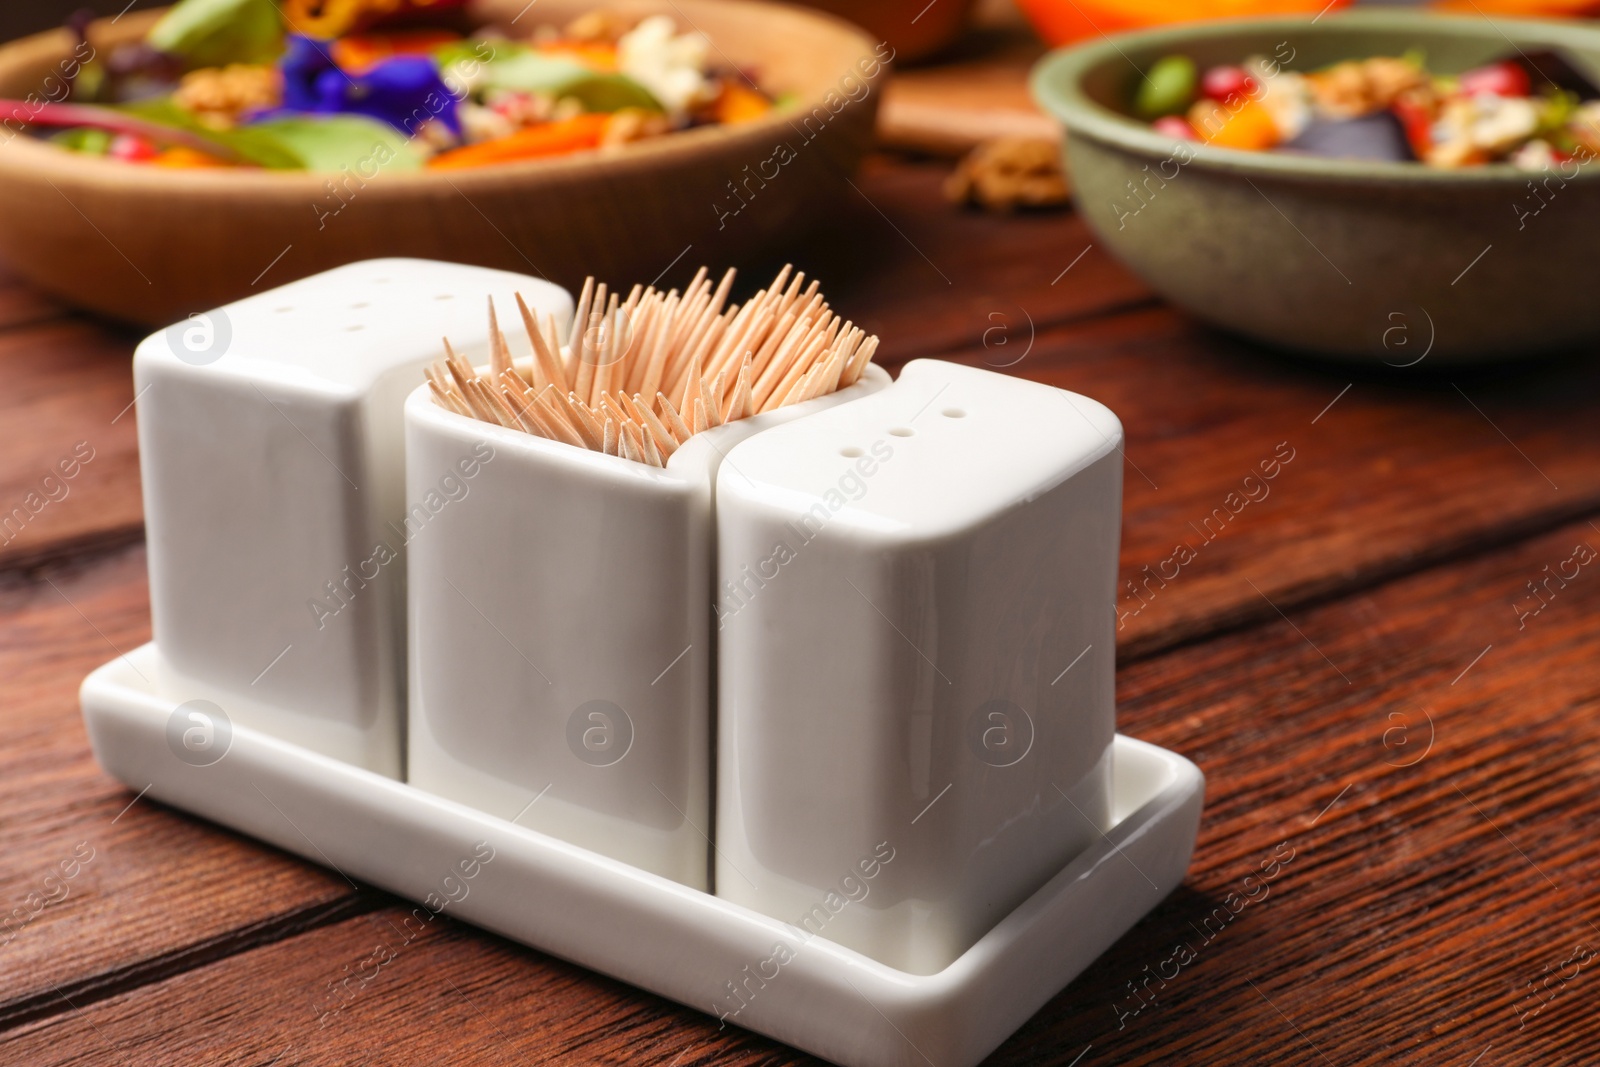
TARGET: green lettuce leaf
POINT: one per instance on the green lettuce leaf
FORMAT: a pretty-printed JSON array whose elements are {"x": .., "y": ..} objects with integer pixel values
[
  {"x": 297, "y": 142},
  {"x": 84, "y": 139},
  {"x": 247, "y": 141},
  {"x": 611, "y": 92},
  {"x": 214, "y": 33},
  {"x": 332, "y": 142},
  {"x": 525, "y": 70}
]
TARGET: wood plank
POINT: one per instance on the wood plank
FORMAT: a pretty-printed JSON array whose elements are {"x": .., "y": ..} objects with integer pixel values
[
  {"x": 71, "y": 378},
  {"x": 1400, "y": 471},
  {"x": 66, "y": 410},
  {"x": 1426, "y": 751},
  {"x": 1388, "y": 472},
  {"x": 23, "y": 305},
  {"x": 324, "y": 997},
  {"x": 1394, "y": 474},
  {"x": 929, "y": 277},
  {"x": 976, "y": 94},
  {"x": 1415, "y": 472},
  {"x": 1388, "y": 887},
  {"x": 101, "y": 890}
]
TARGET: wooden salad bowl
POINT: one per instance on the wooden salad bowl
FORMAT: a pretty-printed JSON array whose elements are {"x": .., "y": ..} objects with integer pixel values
[{"x": 150, "y": 245}]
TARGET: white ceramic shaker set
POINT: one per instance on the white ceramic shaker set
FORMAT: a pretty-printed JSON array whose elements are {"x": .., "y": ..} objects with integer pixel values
[{"x": 855, "y": 651}]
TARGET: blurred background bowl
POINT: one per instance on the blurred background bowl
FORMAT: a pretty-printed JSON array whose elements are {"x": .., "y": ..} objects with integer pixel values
[
  {"x": 151, "y": 245},
  {"x": 1061, "y": 22},
  {"x": 916, "y": 29},
  {"x": 1339, "y": 258}
]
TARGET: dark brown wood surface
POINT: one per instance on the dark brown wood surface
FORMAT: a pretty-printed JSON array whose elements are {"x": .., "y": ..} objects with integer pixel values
[
  {"x": 1372, "y": 601},
  {"x": 158, "y": 891}
]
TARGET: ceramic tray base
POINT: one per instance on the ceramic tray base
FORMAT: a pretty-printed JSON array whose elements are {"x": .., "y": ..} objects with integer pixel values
[{"x": 654, "y": 933}]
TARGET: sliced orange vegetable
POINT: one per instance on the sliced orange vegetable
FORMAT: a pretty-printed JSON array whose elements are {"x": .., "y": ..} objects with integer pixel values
[
  {"x": 185, "y": 158},
  {"x": 601, "y": 57},
  {"x": 1520, "y": 8},
  {"x": 1246, "y": 126},
  {"x": 546, "y": 139},
  {"x": 1062, "y": 21},
  {"x": 739, "y": 103},
  {"x": 337, "y": 18},
  {"x": 360, "y": 52}
]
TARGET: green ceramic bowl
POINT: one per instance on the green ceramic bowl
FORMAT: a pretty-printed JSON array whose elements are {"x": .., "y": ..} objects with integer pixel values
[{"x": 1339, "y": 258}]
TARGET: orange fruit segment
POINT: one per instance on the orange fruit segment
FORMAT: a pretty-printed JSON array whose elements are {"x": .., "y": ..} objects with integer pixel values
[
  {"x": 532, "y": 142},
  {"x": 739, "y": 104},
  {"x": 1244, "y": 125},
  {"x": 185, "y": 158}
]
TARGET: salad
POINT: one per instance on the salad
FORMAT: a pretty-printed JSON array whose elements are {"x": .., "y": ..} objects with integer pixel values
[
  {"x": 1533, "y": 110},
  {"x": 405, "y": 84}
]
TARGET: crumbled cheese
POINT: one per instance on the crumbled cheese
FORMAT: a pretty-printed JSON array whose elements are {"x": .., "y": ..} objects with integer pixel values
[
  {"x": 669, "y": 64},
  {"x": 1284, "y": 94},
  {"x": 1536, "y": 155}
]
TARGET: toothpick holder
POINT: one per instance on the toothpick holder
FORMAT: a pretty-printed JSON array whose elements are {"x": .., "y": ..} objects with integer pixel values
[
  {"x": 561, "y": 632},
  {"x": 915, "y": 713},
  {"x": 270, "y": 445},
  {"x": 907, "y": 686}
]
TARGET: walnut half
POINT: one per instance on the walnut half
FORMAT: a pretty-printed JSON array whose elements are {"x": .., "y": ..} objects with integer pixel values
[{"x": 1010, "y": 172}]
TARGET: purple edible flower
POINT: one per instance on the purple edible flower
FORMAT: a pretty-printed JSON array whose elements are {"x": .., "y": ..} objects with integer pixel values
[{"x": 404, "y": 91}]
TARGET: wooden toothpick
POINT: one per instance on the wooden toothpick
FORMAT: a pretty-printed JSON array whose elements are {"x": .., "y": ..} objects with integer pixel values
[{"x": 639, "y": 376}]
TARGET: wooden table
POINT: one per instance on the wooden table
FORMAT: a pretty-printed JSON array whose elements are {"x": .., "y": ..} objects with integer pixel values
[{"x": 1384, "y": 658}]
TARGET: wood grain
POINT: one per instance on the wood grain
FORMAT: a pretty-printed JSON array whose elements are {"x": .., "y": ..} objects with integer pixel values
[
  {"x": 1386, "y": 888},
  {"x": 1404, "y": 930},
  {"x": 69, "y": 389},
  {"x": 975, "y": 95},
  {"x": 1436, "y": 803},
  {"x": 929, "y": 277},
  {"x": 153, "y": 891},
  {"x": 71, "y": 379},
  {"x": 23, "y": 305},
  {"x": 1387, "y": 473}
]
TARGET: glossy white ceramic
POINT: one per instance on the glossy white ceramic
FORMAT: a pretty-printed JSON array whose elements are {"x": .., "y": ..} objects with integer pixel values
[
  {"x": 560, "y": 629},
  {"x": 700, "y": 950},
  {"x": 270, "y": 447},
  {"x": 916, "y": 653}
]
